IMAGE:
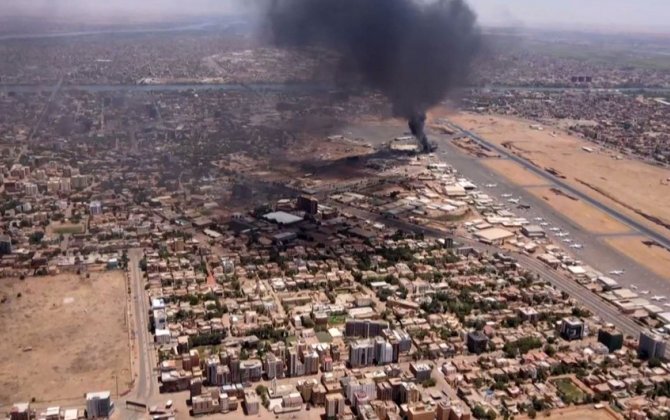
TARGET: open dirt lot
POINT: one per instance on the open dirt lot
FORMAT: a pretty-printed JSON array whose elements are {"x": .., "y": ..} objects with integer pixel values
[
  {"x": 655, "y": 258},
  {"x": 633, "y": 184},
  {"x": 578, "y": 413},
  {"x": 585, "y": 215},
  {"x": 514, "y": 172},
  {"x": 64, "y": 336}
]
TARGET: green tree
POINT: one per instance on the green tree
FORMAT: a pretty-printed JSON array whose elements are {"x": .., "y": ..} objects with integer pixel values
[{"x": 36, "y": 237}]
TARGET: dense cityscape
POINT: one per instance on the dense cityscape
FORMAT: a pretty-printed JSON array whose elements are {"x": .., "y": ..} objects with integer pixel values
[{"x": 197, "y": 222}]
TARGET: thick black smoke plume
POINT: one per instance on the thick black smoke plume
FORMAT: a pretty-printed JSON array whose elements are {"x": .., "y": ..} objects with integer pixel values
[{"x": 413, "y": 51}]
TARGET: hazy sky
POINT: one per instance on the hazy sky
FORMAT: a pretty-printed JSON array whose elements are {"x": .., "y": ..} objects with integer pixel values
[
  {"x": 653, "y": 15},
  {"x": 600, "y": 14}
]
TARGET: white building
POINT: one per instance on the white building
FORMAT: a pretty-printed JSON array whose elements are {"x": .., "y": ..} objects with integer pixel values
[
  {"x": 163, "y": 336},
  {"x": 95, "y": 208},
  {"x": 99, "y": 405}
]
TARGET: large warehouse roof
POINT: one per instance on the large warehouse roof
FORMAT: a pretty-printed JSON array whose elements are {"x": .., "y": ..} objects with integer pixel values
[{"x": 282, "y": 217}]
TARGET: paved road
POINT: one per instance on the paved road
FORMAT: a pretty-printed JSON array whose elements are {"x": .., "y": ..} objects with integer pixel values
[
  {"x": 145, "y": 383},
  {"x": 593, "y": 302},
  {"x": 633, "y": 224}
]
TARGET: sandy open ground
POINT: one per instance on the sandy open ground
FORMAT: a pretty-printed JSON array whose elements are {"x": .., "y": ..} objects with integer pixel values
[
  {"x": 633, "y": 183},
  {"x": 655, "y": 258},
  {"x": 577, "y": 413},
  {"x": 514, "y": 172},
  {"x": 585, "y": 215},
  {"x": 64, "y": 336}
]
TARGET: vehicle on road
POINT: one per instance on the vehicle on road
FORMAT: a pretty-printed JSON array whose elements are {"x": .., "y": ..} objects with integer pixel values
[
  {"x": 513, "y": 200},
  {"x": 538, "y": 219},
  {"x": 543, "y": 224},
  {"x": 577, "y": 246},
  {"x": 644, "y": 292},
  {"x": 491, "y": 185},
  {"x": 617, "y": 272},
  {"x": 567, "y": 240},
  {"x": 506, "y": 195}
]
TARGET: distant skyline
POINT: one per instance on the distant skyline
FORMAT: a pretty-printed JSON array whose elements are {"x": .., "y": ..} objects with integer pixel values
[{"x": 598, "y": 15}]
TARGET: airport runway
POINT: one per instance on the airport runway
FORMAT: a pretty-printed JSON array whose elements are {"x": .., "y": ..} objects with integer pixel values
[
  {"x": 596, "y": 253},
  {"x": 661, "y": 239}
]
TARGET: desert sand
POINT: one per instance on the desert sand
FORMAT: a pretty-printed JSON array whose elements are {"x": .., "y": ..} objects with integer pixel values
[
  {"x": 63, "y": 336},
  {"x": 585, "y": 215},
  {"x": 514, "y": 172},
  {"x": 655, "y": 258}
]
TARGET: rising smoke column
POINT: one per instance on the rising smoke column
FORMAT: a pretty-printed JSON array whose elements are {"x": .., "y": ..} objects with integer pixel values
[{"x": 413, "y": 51}]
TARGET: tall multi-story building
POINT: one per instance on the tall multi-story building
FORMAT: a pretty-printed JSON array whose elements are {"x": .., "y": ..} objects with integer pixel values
[
  {"x": 250, "y": 370},
  {"x": 80, "y": 181},
  {"x": 211, "y": 366},
  {"x": 408, "y": 393},
  {"x": 384, "y": 391},
  {"x": 334, "y": 405},
  {"x": 361, "y": 353},
  {"x": 327, "y": 364},
  {"x": 252, "y": 402},
  {"x": 5, "y": 245},
  {"x": 64, "y": 185},
  {"x": 477, "y": 342},
  {"x": 364, "y": 328},
  {"x": 274, "y": 366},
  {"x": 98, "y": 405},
  {"x": 421, "y": 371},
  {"x": 204, "y": 404},
  {"x": 95, "y": 208},
  {"x": 30, "y": 189},
  {"x": 651, "y": 345},
  {"x": 53, "y": 185},
  {"x": 20, "y": 411},
  {"x": 295, "y": 366},
  {"x": 611, "y": 338},
  {"x": 311, "y": 362},
  {"x": 308, "y": 204},
  {"x": 572, "y": 328},
  {"x": 400, "y": 341},
  {"x": 383, "y": 351},
  {"x": 234, "y": 365}
]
